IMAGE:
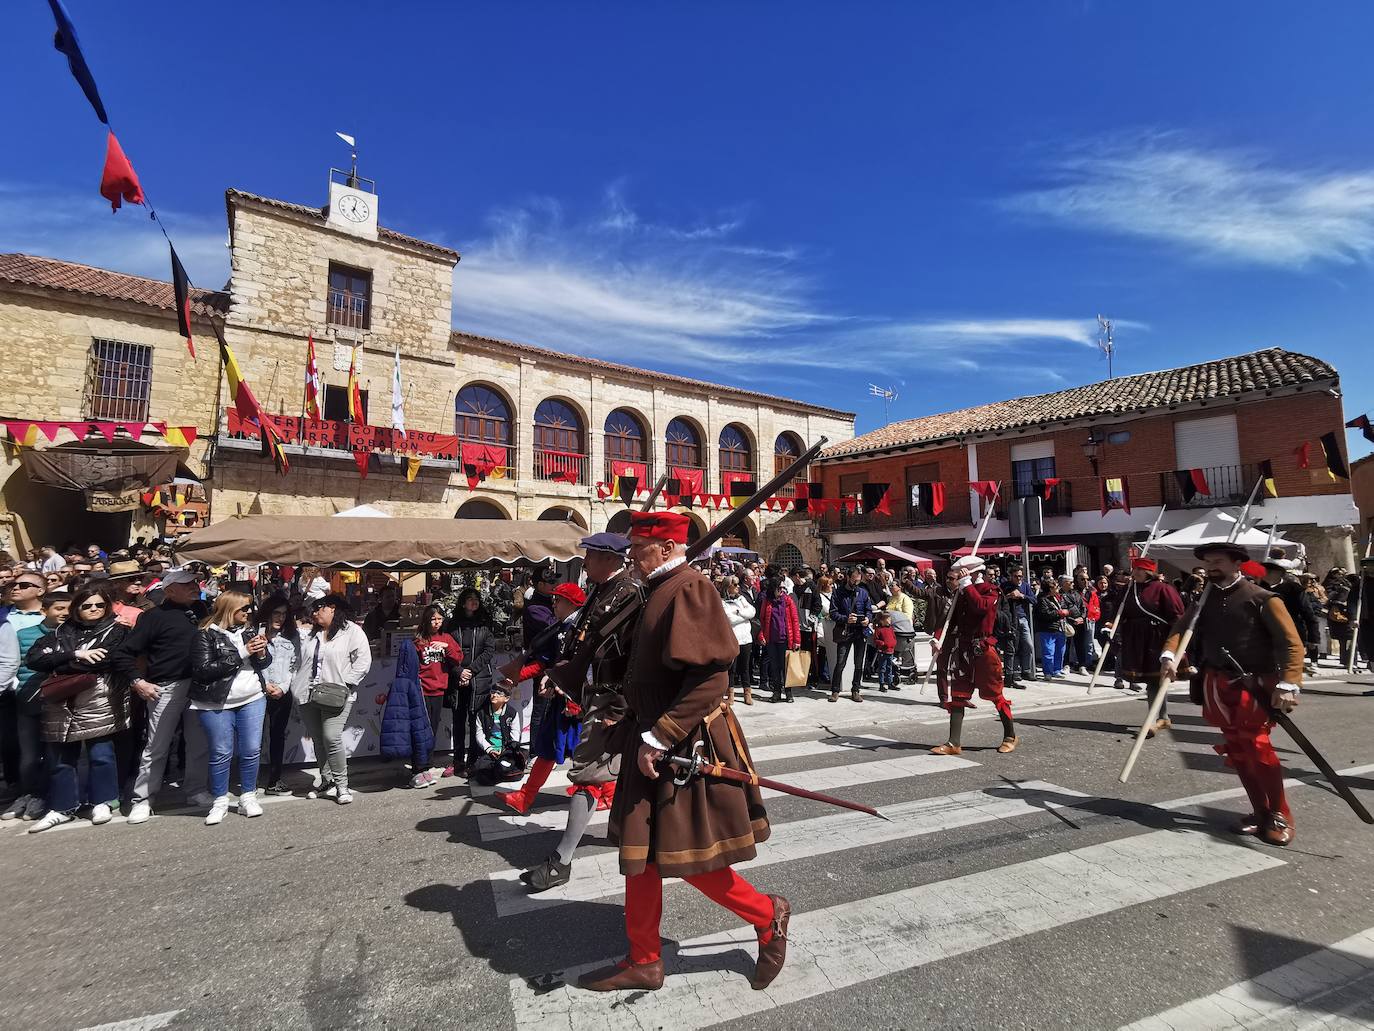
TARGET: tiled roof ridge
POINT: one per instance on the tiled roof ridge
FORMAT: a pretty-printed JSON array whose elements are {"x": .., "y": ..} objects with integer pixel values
[
  {"x": 323, "y": 212},
  {"x": 602, "y": 363},
  {"x": 155, "y": 293},
  {"x": 1227, "y": 377}
]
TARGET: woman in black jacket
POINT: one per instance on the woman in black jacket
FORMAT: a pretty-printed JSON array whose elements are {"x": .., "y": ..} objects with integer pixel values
[
  {"x": 471, "y": 627},
  {"x": 94, "y": 714}
]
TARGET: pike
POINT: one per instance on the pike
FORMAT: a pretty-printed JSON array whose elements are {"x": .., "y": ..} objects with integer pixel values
[
  {"x": 935, "y": 651},
  {"x": 1116, "y": 619},
  {"x": 1300, "y": 739},
  {"x": 1162, "y": 693},
  {"x": 1359, "y": 603},
  {"x": 696, "y": 765}
]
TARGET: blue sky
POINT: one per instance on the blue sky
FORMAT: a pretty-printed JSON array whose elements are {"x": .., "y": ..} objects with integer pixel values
[{"x": 794, "y": 197}]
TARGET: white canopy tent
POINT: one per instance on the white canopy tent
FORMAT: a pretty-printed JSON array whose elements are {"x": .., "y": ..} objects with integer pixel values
[
  {"x": 363, "y": 512},
  {"x": 1214, "y": 525}
]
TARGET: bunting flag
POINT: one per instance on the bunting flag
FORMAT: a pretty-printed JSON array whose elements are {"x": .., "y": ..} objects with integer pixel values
[
  {"x": 875, "y": 498},
  {"x": 672, "y": 493},
  {"x": 1335, "y": 464},
  {"x": 1304, "y": 454},
  {"x": 1267, "y": 473},
  {"x": 985, "y": 489},
  {"x": 413, "y": 464},
  {"x": 23, "y": 431},
  {"x": 64, "y": 39},
  {"x": 355, "y": 397},
  {"x": 398, "y": 401},
  {"x": 624, "y": 487},
  {"x": 362, "y": 459},
  {"x": 181, "y": 287},
  {"x": 1048, "y": 484},
  {"x": 312, "y": 380},
  {"x": 741, "y": 491},
  {"x": 119, "y": 182},
  {"x": 1115, "y": 495},
  {"x": 247, "y": 406},
  {"x": 1362, "y": 423}
]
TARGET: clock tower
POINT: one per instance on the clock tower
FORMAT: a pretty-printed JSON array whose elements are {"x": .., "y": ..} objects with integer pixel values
[{"x": 352, "y": 204}]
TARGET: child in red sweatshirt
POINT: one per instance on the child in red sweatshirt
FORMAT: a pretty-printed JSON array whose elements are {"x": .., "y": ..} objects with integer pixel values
[{"x": 885, "y": 642}]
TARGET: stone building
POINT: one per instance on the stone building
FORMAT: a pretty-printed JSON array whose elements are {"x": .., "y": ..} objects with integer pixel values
[{"x": 78, "y": 343}]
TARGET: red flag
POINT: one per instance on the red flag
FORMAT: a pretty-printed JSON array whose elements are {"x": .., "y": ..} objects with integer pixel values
[
  {"x": 181, "y": 287},
  {"x": 985, "y": 489},
  {"x": 875, "y": 498},
  {"x": 1362, "y": 423},
  {"x": 1050, "y": 483},
  {"x": 119, "y": 182},
  {"x": 1199, "y": 478},
  {"x": 937, "y": 498},
  {"x": 361, "y": 460},
  {"x": 1304, "y": 453}
]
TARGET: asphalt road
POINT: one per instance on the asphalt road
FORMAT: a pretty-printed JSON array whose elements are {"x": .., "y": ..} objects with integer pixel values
[{"x": 993, "y": 902}]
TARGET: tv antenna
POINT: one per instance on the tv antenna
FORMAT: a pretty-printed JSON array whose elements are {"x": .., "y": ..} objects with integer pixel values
[
  {"x": 1105, "y": 343},
  {"x": 888, "y": 395}
]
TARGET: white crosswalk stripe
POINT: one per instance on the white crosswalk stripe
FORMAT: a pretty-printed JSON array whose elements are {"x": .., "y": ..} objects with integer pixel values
[
  {"x": 1322, "y": 989},
  {"x": 850, "y": 944},
  {"x": 495, "y": 826}
]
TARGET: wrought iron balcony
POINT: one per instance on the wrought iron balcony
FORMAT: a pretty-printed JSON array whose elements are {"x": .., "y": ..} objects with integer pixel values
[{"x": 1226, "y": 485}]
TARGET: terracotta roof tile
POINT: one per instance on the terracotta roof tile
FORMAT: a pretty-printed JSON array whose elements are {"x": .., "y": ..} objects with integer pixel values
[
  {"x": 1226, "y": 377},
  {"x": 698, "y": 384},
  {"x": 52, "y": 274},
  {"x": 321, "y": 214}
]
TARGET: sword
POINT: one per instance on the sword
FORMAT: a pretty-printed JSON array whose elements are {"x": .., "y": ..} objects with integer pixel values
[
  {"x": 1300, "y": 739},
  {"x": 1116, "y": 619},
  {"x": 696, "y": 765}
]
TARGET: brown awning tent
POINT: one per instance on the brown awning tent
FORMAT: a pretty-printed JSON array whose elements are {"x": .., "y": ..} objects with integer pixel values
[{"x": 390, "y": 543}]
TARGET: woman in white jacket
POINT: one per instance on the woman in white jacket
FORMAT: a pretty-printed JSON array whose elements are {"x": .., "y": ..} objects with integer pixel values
[
  {"x": 740, "y": 611},
  {"x": 338, "y": 656}
]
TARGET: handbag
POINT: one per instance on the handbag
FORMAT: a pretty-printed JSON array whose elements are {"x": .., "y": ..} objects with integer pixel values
[
  {"x": 798, "y": 669},
  {"x": 59, "y": 687},
  {"x": 328, "y": 696},
  {"x": 1068, "y": 629}
]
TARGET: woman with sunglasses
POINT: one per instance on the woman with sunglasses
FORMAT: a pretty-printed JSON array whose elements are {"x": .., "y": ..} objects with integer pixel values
[
  {"x": 227, "y": 663},
  {"x": 337, "y": 658},
  {"x": 82, "y": 645}
]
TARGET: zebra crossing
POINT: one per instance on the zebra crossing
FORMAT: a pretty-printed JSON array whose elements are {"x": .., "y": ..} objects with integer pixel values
[{"x": 848, "y": 944}]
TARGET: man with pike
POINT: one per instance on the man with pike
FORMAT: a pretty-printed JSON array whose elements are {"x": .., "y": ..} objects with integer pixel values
[
  {"x": 677, "y": 690},
  {"x": 1251, "y": 662},
  {"x": 1148, "y": 609}
]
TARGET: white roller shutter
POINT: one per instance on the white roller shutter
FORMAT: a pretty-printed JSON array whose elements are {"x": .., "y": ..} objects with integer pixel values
[
  {"x": 1206, "y": 443},
  {"x": 1032, "y": 449}
]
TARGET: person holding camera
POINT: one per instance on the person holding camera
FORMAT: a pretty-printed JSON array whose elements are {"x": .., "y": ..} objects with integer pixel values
[{"x": 851, "y": 609}]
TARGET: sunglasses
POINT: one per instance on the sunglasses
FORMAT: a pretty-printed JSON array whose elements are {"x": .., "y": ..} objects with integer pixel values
[
  {"x": 94, "y": 606},
  {"x": 30, "y": 584},
  {"x": 239, "y": 610}
]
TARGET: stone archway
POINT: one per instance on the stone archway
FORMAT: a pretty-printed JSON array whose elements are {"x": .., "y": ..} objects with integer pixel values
[
  {"x": 559, "y": 514},
  {"x": 480, "y": 508}
]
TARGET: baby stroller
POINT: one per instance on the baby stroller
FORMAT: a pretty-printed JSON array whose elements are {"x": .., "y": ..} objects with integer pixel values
[{"x": 905, "y": 656}]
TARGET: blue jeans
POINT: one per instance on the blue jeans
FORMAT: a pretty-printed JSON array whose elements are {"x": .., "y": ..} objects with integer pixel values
[
  {"x": 221, "y": 729},
  {"x": 887, "y": 669},
  {"x": 102, "y": 774},
  {"x": 1051, "y": 653}
]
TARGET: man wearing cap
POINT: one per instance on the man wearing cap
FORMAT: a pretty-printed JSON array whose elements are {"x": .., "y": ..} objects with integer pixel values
[
  {"x": 592, "y": 674},
  {"x": 967, "y": 659},
  {"x": 1243, "y": 625},
  {"x": 1147, "y": 611},
  {"x": 677, "y": 691}
]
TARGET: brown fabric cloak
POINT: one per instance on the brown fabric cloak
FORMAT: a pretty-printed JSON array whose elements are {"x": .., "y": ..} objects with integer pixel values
[
  {"x": 1147, "y": 613},
  {"x": 677, "y": 688}
]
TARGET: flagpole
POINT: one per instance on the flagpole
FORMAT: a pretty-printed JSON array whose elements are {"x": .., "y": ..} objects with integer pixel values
[
  {"x": 1116, "y": 619},
  {"x": 935, "y": 649}
]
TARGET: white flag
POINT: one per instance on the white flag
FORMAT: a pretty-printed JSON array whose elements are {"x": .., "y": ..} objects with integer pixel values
[
  {"x": 398, "y": 410},
  {"x": 346, "y": 138}
]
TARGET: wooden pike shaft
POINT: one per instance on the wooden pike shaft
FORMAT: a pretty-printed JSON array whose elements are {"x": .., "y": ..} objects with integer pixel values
[{"x": 978, "y": 542}]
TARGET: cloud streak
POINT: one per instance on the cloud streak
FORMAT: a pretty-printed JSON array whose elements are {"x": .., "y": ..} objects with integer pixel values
[{"x": 1218, "y": 204}]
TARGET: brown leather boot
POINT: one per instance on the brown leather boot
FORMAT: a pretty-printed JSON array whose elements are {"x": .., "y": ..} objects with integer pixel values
[
  {"x": 1277, "y": 831},
  {"x": 748, "y": 694},
  {"x": 772, "y": 953},
  {"x": 947, "y": 749},
  {"x": 1008, "y": 744},
  {"x": 1248, "y": 824},
  {"x": 647, "y": 977}
]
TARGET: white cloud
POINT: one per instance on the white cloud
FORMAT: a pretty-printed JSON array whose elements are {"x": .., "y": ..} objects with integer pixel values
[
  {"x": 80, "y": 228},
  {"x": 1231, "y": 205}
]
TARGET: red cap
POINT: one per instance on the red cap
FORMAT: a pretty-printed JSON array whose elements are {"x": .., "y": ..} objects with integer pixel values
[
  {"x": 1252, "y": 569},
  {"x": 570, "y": 593},
  {"x": 1147, "y": 564},
  {"x": 661, "y": 526}
]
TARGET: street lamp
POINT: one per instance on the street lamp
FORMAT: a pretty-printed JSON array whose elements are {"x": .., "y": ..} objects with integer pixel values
[{"x": 1090, "y": 451}]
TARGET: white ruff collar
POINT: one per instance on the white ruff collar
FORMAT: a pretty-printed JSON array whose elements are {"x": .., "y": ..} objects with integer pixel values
[{"x": 671, "y": 564}]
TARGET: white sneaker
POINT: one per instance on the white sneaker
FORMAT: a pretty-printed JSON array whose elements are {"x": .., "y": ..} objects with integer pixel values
[
  {"x": 37, "y": 807},
  {"x": 16, "y": 809},
  {"x": 217, "y": 811},
  {"x": 344, "y": 797},
  {"x": 249, "y": 805},
  {"x": 201, "y": 799},
  {"x": 100, "y": 814},
  {"x": 140, "y": 812},
  {"x": 53, "y": 819}
]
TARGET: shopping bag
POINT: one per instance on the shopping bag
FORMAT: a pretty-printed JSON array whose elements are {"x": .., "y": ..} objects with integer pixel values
[{"x": 798, "y": 669}]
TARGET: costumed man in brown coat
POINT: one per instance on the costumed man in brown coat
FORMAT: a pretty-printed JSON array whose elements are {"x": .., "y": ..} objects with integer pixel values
[
  {"x": 677, "y": 691},
  {"x": 1147, "y": 611},
  {"x": 1240, "y": 620}
]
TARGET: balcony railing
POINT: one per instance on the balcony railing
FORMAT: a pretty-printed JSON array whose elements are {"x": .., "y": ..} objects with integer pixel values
[
  {"x": 1226, "y": 485},
  {"x": 737, "y": 474},
  {"x": 1059, "y": 503},
  {"x": 347, "y": 309},
  {"x": 847, "y": 520},
  {"x": 561, "y": 466}
]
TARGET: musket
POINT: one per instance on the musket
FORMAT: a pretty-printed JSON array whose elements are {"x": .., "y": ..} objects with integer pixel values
[
  {"x": 935, "y": 651},
  {"x": 1300, "y": 739},
  {"x": 1182, "y": 650},
  {"x": 1355, "y": 613},
  {"x": 696, "y": 765},
  {"x": 1120, "y": 607}
]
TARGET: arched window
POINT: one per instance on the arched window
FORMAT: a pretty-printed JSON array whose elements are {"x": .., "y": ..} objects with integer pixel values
[
  {"x": 626, "y": 441},
  {"x": 482, "y": 416},
  {"x": 786, "y": 450},
  {"x": 683, "y": 444},
  {"x": 557, "y": 427},
  {"x": 735, "y": 454}
]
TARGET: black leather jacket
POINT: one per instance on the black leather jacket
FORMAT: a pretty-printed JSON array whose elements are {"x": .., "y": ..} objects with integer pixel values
[{"x": 215, "y": 662}]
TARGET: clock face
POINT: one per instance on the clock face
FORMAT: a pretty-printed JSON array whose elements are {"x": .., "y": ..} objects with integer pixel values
[{"x": 353, "y": 208}]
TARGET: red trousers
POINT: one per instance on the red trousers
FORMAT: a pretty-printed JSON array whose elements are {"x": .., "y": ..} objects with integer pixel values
[
  {"x": 644, "y": 906},
  {"x": 972, "y": 666},
  {"x": 1245, "y": 724}
]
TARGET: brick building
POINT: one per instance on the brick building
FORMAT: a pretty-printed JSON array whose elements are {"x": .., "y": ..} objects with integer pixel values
[
  {"x": 79, "y": 343},
  {"x": 1224, "y": 417}
]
